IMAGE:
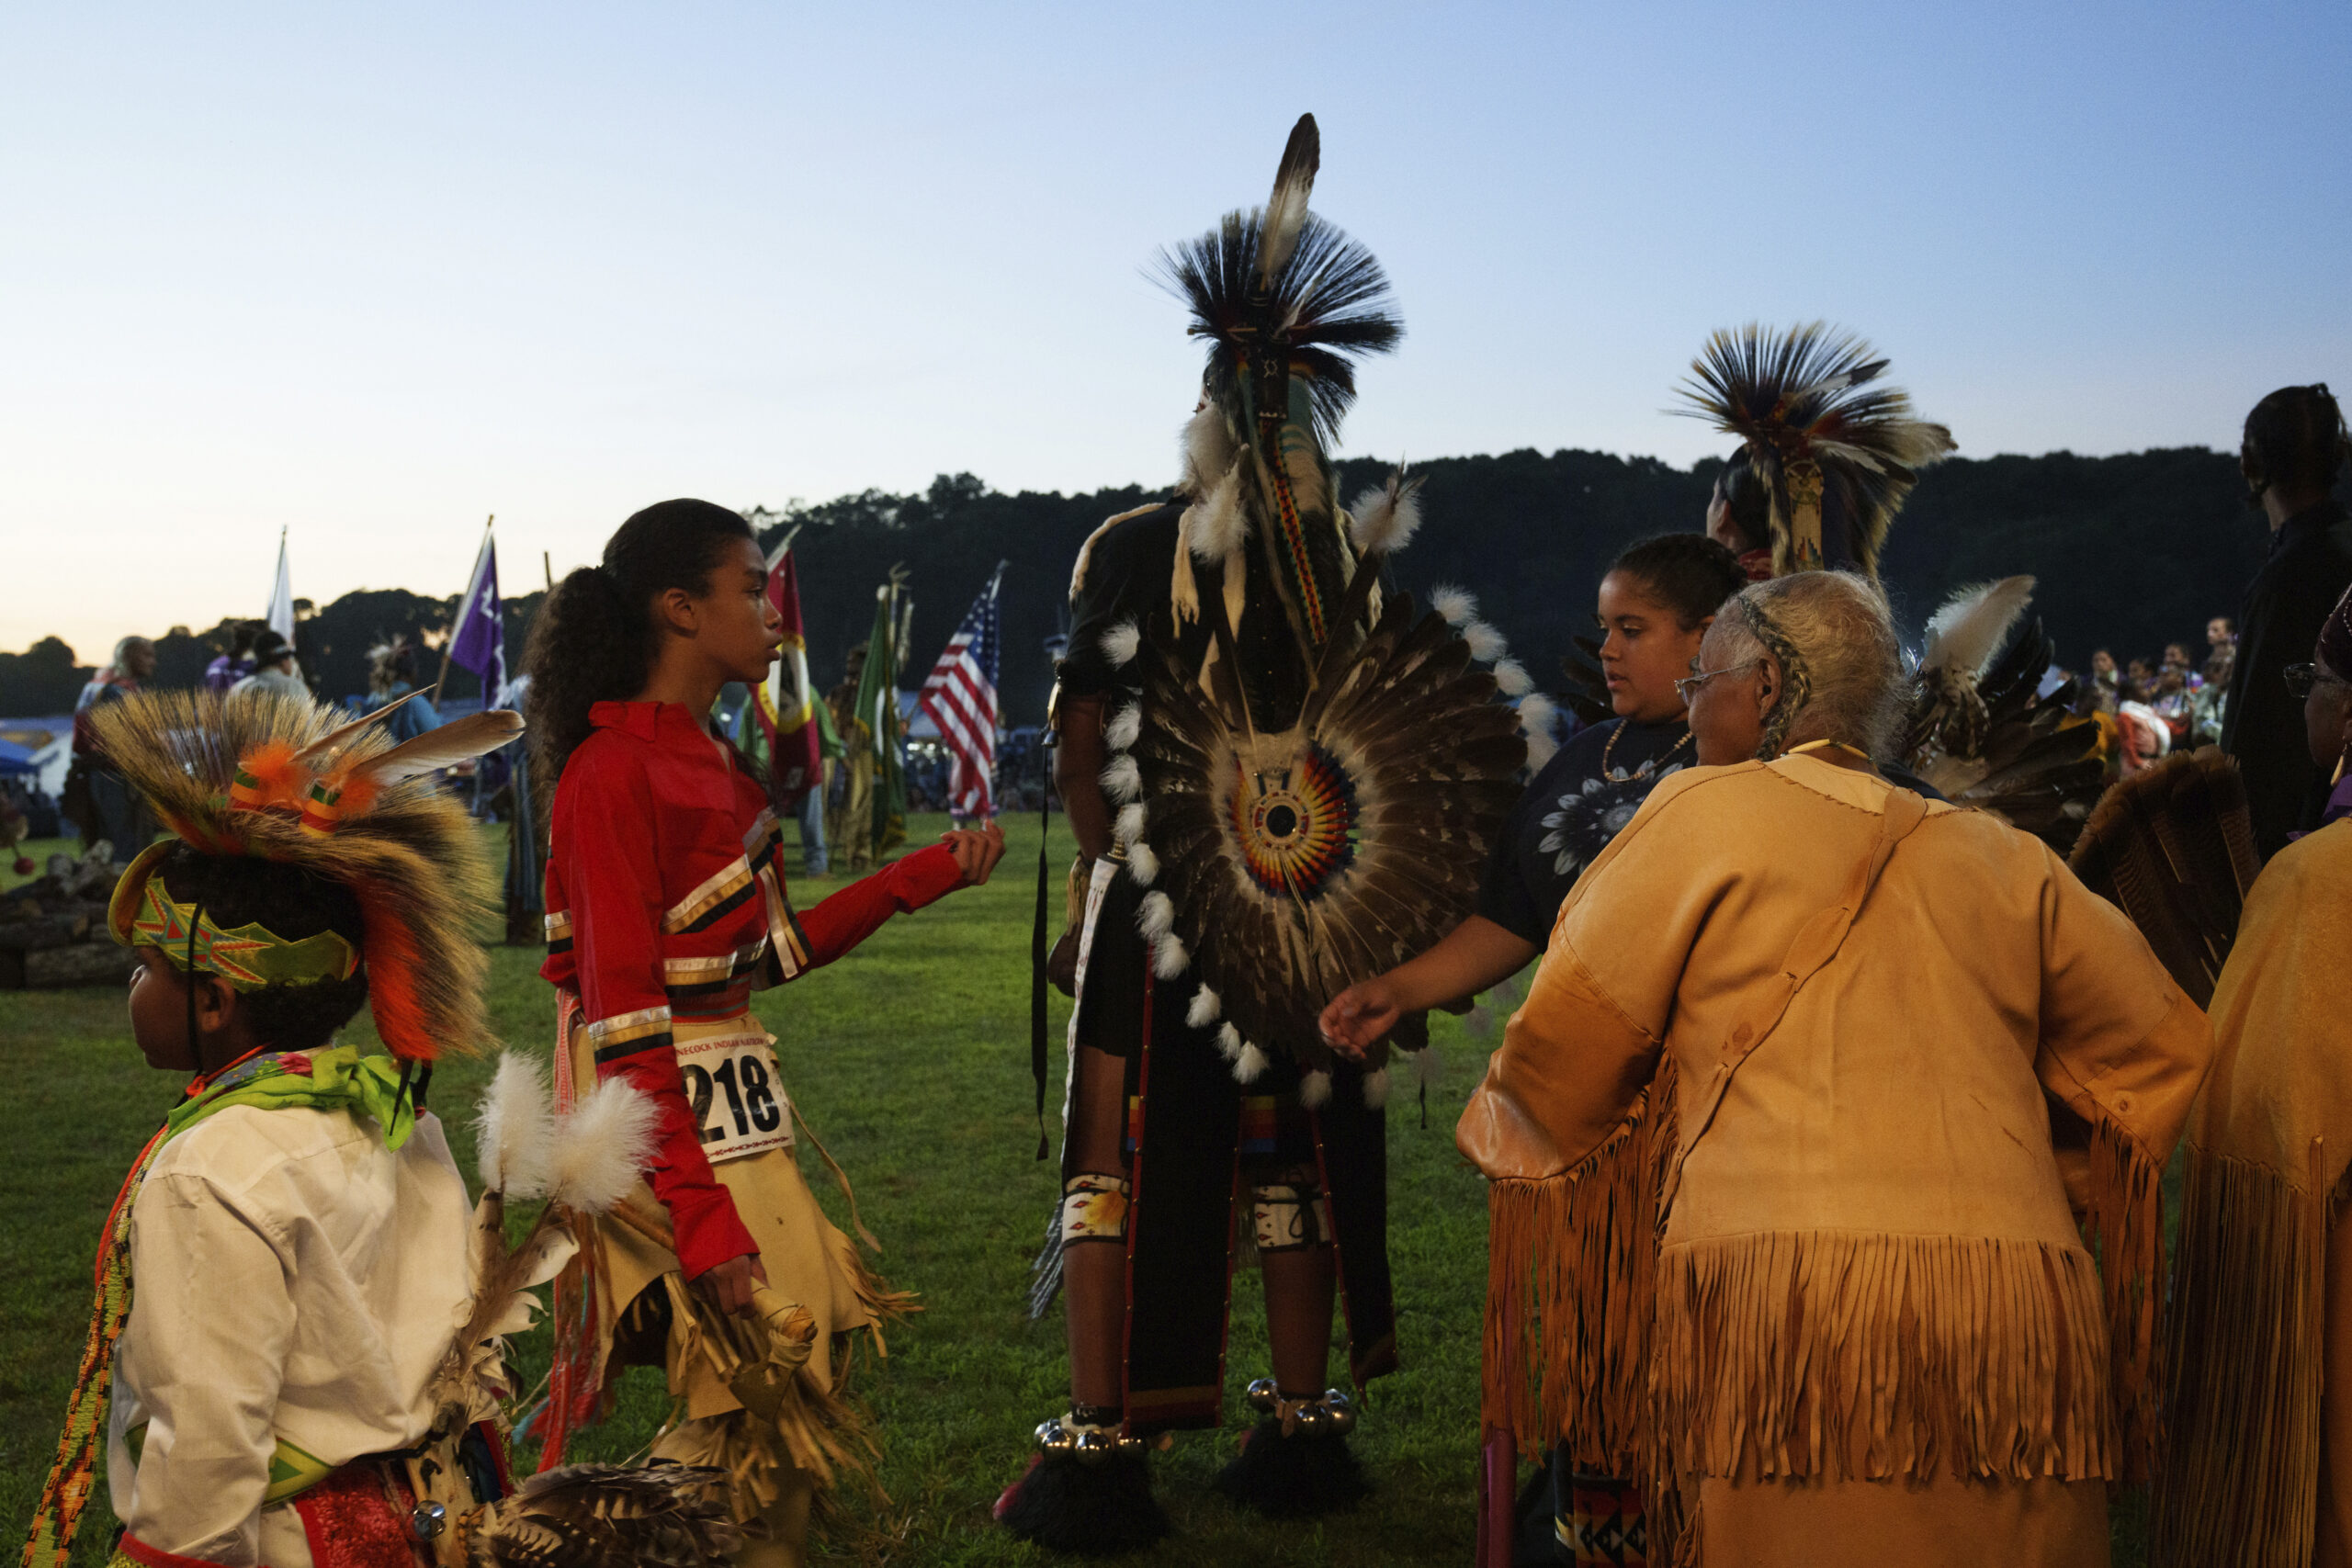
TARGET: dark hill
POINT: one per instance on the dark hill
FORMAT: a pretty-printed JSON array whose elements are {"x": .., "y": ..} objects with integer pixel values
[{"x": 2131, "y": 551}]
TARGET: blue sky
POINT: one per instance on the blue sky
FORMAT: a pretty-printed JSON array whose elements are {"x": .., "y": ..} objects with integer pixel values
[{"x": 370, "y": 276}]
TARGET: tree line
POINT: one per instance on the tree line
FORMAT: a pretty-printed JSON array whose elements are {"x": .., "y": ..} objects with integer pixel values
[{"x": 2131, "y": 551}]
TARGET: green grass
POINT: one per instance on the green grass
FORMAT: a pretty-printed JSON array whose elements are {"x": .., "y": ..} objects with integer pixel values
[{"x": 910, "y": 1060}]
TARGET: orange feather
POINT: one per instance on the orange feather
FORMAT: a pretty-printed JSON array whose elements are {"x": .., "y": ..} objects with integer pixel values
[
  {"x": 392, "y": 979},
  {"x": 284, "y": 782}
]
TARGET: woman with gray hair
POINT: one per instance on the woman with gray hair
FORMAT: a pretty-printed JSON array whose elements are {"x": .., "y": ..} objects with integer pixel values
[
  {"x": 1899, "y": 1058},
  {"x": 1754, "y": 695}
]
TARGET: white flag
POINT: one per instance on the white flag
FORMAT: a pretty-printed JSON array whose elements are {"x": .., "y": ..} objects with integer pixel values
[{"x": 281, "y": 596}]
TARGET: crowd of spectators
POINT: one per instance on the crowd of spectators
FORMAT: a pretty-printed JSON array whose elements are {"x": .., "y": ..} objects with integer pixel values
[
  {"x": 2150, "y": 707},
  {"x": 2250, "y": 693}
]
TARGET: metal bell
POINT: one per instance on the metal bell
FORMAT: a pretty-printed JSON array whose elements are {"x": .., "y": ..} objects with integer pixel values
[
  {"x": 1053, "y": 1437},
  {"x": 1265, "y": 1397},
  {"x": 1342, "y": 1410},
  {"x": 1094, "y": 1447},
  {"x": 1312, "y": 1420},
  {"x": 427, "y": 1520}
]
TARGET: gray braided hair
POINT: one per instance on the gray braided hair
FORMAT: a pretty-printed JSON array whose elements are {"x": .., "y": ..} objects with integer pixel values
[{"x": 1841, "y": 664}]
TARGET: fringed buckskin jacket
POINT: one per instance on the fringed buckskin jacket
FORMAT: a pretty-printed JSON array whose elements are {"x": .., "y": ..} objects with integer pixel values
[
  {"x": 2258, "y": 1467},
  {"x": 1900, "y": 1049}
]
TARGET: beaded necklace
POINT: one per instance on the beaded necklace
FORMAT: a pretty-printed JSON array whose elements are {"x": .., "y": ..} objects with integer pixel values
[{"x": 1620, "y": 775}]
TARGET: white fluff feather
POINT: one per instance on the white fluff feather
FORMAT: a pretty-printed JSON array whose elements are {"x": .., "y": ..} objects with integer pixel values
[
  {"x": 1122, "y": 780},
  {"x": 1125, "y": 729},
  {"x": 602, "y": 1146},
  {"x": 1382, "y": 521},
  {"x": 1207, "y": 449},
  {"x": 1127, "y": 827},
  {"x": 1121, "y": 643},
  {"x": 1142, "y": 864},
  {"x": 1376, "y": 1089},
  {"x": 1155, "y": 917},
  {"x": 1218, "y": 523},
  {"x": 515, "y": 1132},
  {"x": 1456, "y": 604},
  {"x": 1487, "y": 644},
  {"x": 1168, "y": 959},
  {"x": 1249, "y": 1066},
  {"x": 1315, "y": 1088},
  {"x": 1535, "y": 711},
  {"x": 1206, "y": 1008},
  {"x": 1426, "y": 1066},
  {"x": 1511, "y": 678},
  {"x": 1228, "y": 1043},
  {"x": 1969, "y": 632}
]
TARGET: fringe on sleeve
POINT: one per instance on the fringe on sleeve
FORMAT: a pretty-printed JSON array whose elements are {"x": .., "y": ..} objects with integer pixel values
[
  {"x": 2125, "y": 1228},
  {"x": 2246, "y": 1344},
  {"x": 1571, "y": 1286}
]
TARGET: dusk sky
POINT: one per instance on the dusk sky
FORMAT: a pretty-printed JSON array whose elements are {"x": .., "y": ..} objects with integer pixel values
[{"x": 370, "y": 277}]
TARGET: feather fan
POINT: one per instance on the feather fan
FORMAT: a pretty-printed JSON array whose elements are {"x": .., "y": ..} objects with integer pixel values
[
  {"x": 606, "y": 1516},
  {"x": 1994, "y": 740},
  {"x": 1974, "y": 625},
  {"x": 1963, "y": 639},
  {"x": 2173, "y": 847}
]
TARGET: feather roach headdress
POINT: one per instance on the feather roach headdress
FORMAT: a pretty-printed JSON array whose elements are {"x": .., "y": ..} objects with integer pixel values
[
  {"x": 1826, "y": 439},
  {"x": 284, "y": 778},
  {"x": 1287, "y": 303}
]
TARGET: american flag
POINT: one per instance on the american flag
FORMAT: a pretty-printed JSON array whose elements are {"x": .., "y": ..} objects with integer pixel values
[{"x": 960, "y": 697}]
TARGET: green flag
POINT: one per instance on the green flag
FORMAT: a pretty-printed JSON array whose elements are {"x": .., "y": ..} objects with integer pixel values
[{"x": 877, "y": 705}]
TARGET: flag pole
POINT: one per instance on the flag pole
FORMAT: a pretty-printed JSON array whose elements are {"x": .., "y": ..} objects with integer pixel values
[
  {"x": 449, "y": 637},
  {"x": 782, "y": 546}
]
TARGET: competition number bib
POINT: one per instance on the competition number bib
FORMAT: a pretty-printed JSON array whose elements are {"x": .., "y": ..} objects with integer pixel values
[{"x": 737, "y": 1095}]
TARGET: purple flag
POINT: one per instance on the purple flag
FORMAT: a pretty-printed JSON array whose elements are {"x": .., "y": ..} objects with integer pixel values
[{"x": 479, "y": 641}]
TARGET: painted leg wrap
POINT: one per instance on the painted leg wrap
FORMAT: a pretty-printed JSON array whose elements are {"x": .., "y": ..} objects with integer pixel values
[
  {"x": 1095, "y": 1208},
  {"x": 1289, "y": 1215},
  {"x": 1295, "y": 1463},
  {"x": 1088, "y": 1491}
]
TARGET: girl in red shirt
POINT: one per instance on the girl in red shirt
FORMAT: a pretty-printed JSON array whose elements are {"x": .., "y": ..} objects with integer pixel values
[{"x": 666, "y": 909}]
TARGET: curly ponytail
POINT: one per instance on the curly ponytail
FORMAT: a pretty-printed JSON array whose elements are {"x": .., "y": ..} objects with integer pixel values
[{"x": 595, "y": 639}]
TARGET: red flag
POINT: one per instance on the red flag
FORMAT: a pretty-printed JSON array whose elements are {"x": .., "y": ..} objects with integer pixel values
[{"x": 787, "y": 707}]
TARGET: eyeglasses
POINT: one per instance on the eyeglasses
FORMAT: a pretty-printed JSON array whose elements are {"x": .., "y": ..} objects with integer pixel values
[
  {"x": 1688, "y": 687},
  {"x": 2301, "y": 678}
]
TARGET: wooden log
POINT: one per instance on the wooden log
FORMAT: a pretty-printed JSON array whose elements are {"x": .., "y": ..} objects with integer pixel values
[
  {"x": 45, "y": 932},
  {"x": 85, "y": 964}
]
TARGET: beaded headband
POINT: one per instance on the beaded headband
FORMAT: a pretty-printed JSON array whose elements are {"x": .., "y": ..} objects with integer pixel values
[{"x": 143, "y": 913}]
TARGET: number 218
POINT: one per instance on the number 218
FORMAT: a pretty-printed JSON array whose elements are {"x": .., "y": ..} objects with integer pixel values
[{"x": 750, "y": 1099}]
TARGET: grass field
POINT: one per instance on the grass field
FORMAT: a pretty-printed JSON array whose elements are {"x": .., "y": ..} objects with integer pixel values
[{"x": 909, "y": 1059}]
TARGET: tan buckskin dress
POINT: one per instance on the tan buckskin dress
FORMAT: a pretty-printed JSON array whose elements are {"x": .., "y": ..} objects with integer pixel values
[
  {"x": 2258, "y": 1468},
  {"x": 775, "y": 1463},
  {"x": 1878, "y": 1335}
]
